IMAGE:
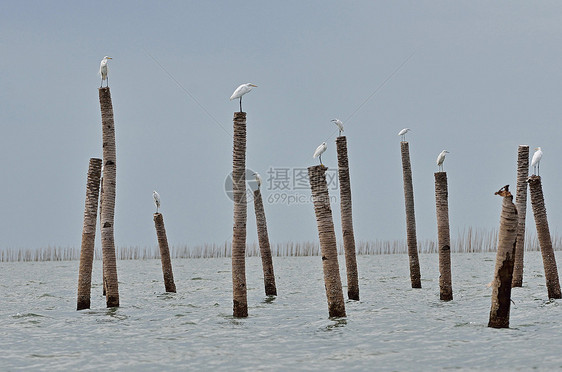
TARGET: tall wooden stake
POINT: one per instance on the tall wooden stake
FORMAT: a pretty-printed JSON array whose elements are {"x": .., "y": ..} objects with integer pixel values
[
  {"x": 543, "y": 233},
  {"x": 108, "y": 199},
  {"x": 347, "y": 220},
  {"x": 164, "y": 253},
  {"x": 265, "y": 249},
  {"x": 239, "y": 291},
  {"x": 505, "y": 258},
  {"x": 89, "y": 234},
  {"x": 415, "y": 275},
  {"x": 442, "y": 207},
  {"x": 521, "y": 202},
  {"x": 327, "y": 235}
]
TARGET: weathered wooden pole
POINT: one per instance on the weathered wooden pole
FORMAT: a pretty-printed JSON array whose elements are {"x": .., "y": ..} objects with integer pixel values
[
  {"x": 239, "y": 291},
  {"x": 89, "y": 234},
  {"x": 543, "y": 233},
  {"x": 521, "y": 203},
  {"x": 505, "y": 258},
  {"x": 415, "y": 275},
  {"x": 347, "y": 220},
  {"x": 108, "y": 199},
  {"x": 327, "y": 235},
  {"x": 444, "y": 239},
  {"x": 265, "y": 249},
  {"x": 164, "y": 253}
]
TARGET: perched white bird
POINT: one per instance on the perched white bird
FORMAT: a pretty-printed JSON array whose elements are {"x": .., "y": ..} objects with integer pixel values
[
  {"x": 156, "y": 200},
  {"x": 441, "y": 159},
  {"x": 103, "y": 70},
  {"x": 319, "y": 151},
  {"x": 403, "y": 133},
  {"x": 339, "y": 124},
  {"x": 240, "y": 91},
  {"x": 535, "y": 162},
  {"x": 258, "y": 179}
]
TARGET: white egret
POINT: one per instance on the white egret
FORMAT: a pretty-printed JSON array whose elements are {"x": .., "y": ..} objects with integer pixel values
[
  {"x": 403, "y": 133},
  {"x": 156, "y": 197},
  {"x": 240, "y": 91},
  {"x": 258, "y": 179},
  {"x": 103, "y": 70},
  {"x": 319, "y": 151},
  {"x": 441, "y": 159},
  {"x": 339, "y": 124},
  {"x": 535, "y": 162}
]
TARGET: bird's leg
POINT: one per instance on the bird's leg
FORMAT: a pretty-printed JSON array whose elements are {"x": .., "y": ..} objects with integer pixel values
[
  {"x": 320, "y": 159},
  {"x": 240, "y": 103}
]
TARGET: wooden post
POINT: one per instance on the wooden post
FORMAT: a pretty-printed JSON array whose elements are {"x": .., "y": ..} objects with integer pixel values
[
  {"x": 327, "y": 235},
  {"x": 521, "y": 202},
  {"x": 108, "y": 199},
  {"x": 89, "y": 234},
  {"x": 543, "y": 233},
  {"x": 265, "y": 249},
  {"x": 415, "y": 275},
  {"x": 505, "y": 258},
  {"x": 347, "y": 220},
  {"x": 239, "y": 291},
  {"x": 164, "y": 253},
  {"x": 442, "y": 207}
]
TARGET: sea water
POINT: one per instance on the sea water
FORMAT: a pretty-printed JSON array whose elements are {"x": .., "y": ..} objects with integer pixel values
[{"x": 392, "y": 327}]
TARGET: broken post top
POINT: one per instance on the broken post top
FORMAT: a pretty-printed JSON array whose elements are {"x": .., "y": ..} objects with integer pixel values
[
  {"x": 239, "y": 116},
  {"x": 533, "y": 180},
  {"x": 440, "y": 175},
  {"x": 341, "y": 139},
  {"x": 317, "y": 175},
  {"x": 504, "y": 191},
  {"x": 317, "y": 168}
]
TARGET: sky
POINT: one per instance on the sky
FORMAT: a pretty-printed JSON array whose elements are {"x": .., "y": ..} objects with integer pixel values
[{"x": 477, "y": 78}]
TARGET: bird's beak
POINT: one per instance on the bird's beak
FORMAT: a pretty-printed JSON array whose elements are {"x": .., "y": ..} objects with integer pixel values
[
  {"x": 109, "y": 58},
  {"x": 252, "y": 85}
]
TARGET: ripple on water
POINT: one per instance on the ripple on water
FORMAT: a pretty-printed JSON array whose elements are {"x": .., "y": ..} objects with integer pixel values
[{"x": 393, "y": 327}]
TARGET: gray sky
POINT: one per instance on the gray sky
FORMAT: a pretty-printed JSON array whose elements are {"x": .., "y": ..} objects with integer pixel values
[{"x": 484, "y": 78}]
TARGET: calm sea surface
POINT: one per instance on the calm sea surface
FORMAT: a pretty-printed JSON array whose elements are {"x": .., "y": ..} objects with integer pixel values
[{"x": 393, "y": 327}]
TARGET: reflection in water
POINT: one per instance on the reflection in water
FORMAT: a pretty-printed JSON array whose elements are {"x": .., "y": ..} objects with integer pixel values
[{"x": 336, "y": 323}]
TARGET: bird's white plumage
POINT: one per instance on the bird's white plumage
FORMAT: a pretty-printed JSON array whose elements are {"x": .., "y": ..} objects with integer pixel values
[
  {"x": 241, "y": 90},
  {"x": 537, "y": 156},
  {"x": 258, "y": 179},
  {"x": 441, "y": 158},
  {"x": 536, "y": 160},
  {"x": 320, "y": 150},
  {"x": 404, "y": 131},
  {"x": 339, "y": 123},
  {"x": 156, "y": 198},
  {"x": 103, "y": 68}
]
